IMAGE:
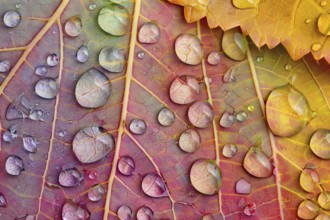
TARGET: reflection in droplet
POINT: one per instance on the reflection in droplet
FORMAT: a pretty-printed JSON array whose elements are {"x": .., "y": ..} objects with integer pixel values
[
  {"x": 234, "y": 44},
  {"x": 190, "y": 140},
  {"x": 14, "y": 165},
  {"x": 243, "y": 187},
  {"x": 114, "y": 19},
  {"x": 149, "y": 33},
  {"x": 153, "y": 185},
  {"x": 47, "y": 88},
  {"x": 241, "y": 116},
  {"x": 93, "y": 89},
  {"x": 227, "y": 120},
  {"x": 245, "y": 4},
  {"x": 124, "y": 212},
  {"x": 53, "y": 59},
  {"x": 323, "y": 24},
  {"x": 140, "y": 54},
  {"x": 10, "y": 134},
  {"x": 214, "y": 58},
  {"x": 144, "y": 213},
  {"x": 316, "y": 47},
  {"x": 138, "y": 126},
  {"x": 30, "y": 143},
  {"x": 112, "y": 59},
  {"x": 205, "y": 176},
  {"x": 82, "y": 54},
  {"x": 73, "y": 26},
  {"x": 3, "y": 201},
  {"x": 189, "y": 49},
  {"x": 257, "y": 163},
  {"x": 229, "y": 150},
  {"x": 126, "y": 165},
  {"x": 166, "y": 117},
  {"x": 307, "y": 209},
  {"x": 309, "y": 180},
  {"x": 184, "y": 90},
  {"x": 324, "y": 200},
  {"x": 73, "y": 211},
  {"x": 200, "y": 114},
  {"x": 70, "y": 177},
  {"x": 320, "y": 143},
  {"x": 41, "y": 70},
  {"x": 91, "y": 144},
  {"x": 11, "y": 19},
  {"x": 96, "y": 193},
  {"x": 4, "y": 66},
  {"x": 92, "y": 6}
]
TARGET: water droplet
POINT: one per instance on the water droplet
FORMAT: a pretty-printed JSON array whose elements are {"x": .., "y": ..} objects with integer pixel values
[
  {"x": 208, "y": 217},
  {"x": 243, "y": 187},
  {"x": 82, "y": 54},
  {"x": 93, "y": 174},
  {"x": 241, "y": 116},
  {"x": 184, "y": 90},
  {"x": 4, "y": 66},
  {"x": 214, "y": 58},
  {"x": 140, "y": 54},
  {"x": 114, "y": 19},
  {"x": 93, "y": 89},
  {"x": 153, "y": 185},
  {"x": 70, "y": 177},
  {"x": 323, "y": 24},
  {"x": 316, "y": 47},
  {"x": 227, "y": 120},
  {"x": 30, "y": 144},
  {"x": 124, "y": 212},
  {"x": 138, "y": 126},
  {"x": 149, "y": 33},
  {"x": 257, "y": 163},
  {"x": 260, "y": 59},
  {"x": 322, "y": 216},
  {"x": 91, "y": 144},
  {"x": 47, "y": 88},
  {"x": 309, "y": 180},
  {"x": 36, "y": 115},
  {"x": 18, "y": 6},
  {"x": 92, "y": 6},
  {"x": 250, "y": 209},
  {"x": 126, "y": 165},
  {"x": 166, "y": 117},
  {"x": 73, "y": 26},
  {"x": 307, "y": 209},
  {"x": 189, "y": 49},
  {"x": 190, "y": 140},
  {"x": 229, "y": 76},
  {"x": 62, "y": 133},
  {"x": 11, "y": 19},
  {"x": 3, "y": 201},
  {"x": 53, "y": 59},
  {"x": 200, "y": 114},
  {"x": 307, "y": 20},
  {"x": 287, "y": 111},
  {"x": 112, "y": 59},
  {"x": 320, "y": 143},
  {"x": 10, "y": 134},
  {"x": 41, "y": 70},
  {"x": 251, "y": 108},
  {"x": 144, "y": 213},
  {"x": 229, "y": 150},
  {"x": 205, "y": 176},
  {"x": 234, "y": 44},
  {"x": 96, "y": 193},
  {"x": 288, "y": 67},
  {"x": 14, "y": 165},
  {"x": 323, "y": 3},
  {"x": 324, "y": 200},
  {"x": 73, "y": 211},
  {"x": 244, "y": 4}
]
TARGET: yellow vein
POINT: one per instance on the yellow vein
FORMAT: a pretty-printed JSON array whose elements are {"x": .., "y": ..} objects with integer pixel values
[
  {"x": 129, "y": 74},
  {"x": 215, "y": 133},
  {"x": 12, "y": 49}
]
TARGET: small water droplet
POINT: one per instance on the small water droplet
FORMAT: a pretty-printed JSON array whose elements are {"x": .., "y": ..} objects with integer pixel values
[
  {"x": 320, "y": 143},
  {"x": 243, "y": 187},
  {"x": 30, "y": 144},
  {"x": 149, "y": 33},
  {"x": 190, "y": 140},
  {"x": 153, "y": 185},
  {"x": 96, "y": 193},
  {"x": 227, "y": 120},
  {"x": 250, "y": 209},
  {"x": 316, "y": 47},
  {"x": 70, "y": 177},
  {"x": 10, "y": 134},
  {"x": 3, "y": 201},
  {"x": 92, "y": 6},
  {"x": 323, "y": 3},
  {"x": 229, "y": 150},
  {"x": 82, "y": 54},
  {"x": 214, "y": 58},
  {"x": 124, "y": 212},
  {"x": 93, "y": 174},
  {"x": 138, "y": 126},
  {"x": 200, "y": 114},
  {"x": 53, "y": 59},
  {"x": 229, "y": 76},
  {"x": 73, "y": 26},
  {"x": 307, "y": 20},
  {"x": 260, "y": 59},
  {"x": 41, "y": 70},
  {"x": 47, "y": 88},
  {"x": 241, "y": 116},
  {"x": 251, "y": 108},
  {"x": 144, "y": 213},
  {"x": 323, "y": 24},
  {"x": 307, "y": 209},
  {"x": 166, "y": 117},
  {"x": 189, "y": 49},
  {"x": 184, "y": 90},
  {"x": 112, "y": 59},
  {"x": 14, "y": 165},
  {"x": 126, "y": 165},
  {"x": 62, "y": 133},
  {"x": 245, "y": 4},
  {"x": 4, "y": 66},
  {"x": 140, "y": 54},
  {"x": 309, "y": 180},
  {"x": 36, "y": 115},
  {"x": 288, "y": 67},
  {"x": 257, "y": 163},
  {"x": 73, "y": 211},
  {"x": 324, "y": 200},
  {"x": 11, "y": 19}
]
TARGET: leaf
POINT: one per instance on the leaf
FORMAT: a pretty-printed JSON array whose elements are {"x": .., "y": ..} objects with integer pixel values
[
  {"x": 146, "y": 174},
  {"x": 301, "y": 27}
]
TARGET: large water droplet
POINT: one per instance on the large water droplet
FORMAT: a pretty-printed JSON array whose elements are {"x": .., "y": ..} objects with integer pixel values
[
  {"x": 320, "y": 143},
  {"x": 91, "y": 144},
  {"x": 324, "y": 200},
  {"x": 30, "y": 144},
  {"x": 70, "y": 177},
  {"x": 243, "y": 187},
  {"x": 112, "y": 59},
  {"x": 200, "y": 114},
  {"x": 4, "y": 66},
  {"x": 234, "y": 44},
  {"x": 73, "y": 26},
  {"x": 244, "y": 4},
  {"x": 73, "y": 211},
  {"x": 11, "y": 19},
  {"x": 316, "y": 47},
  {"x": 14, "y": 165},
  {"x": 307, "y": 209},
  {"x": 241, "y": 116},
  {"x": 126, "y": 165},
  {"x": 138, "y": 126},
  {"x": 189, "y": 49},
  {"x": 10, "y": 134},
  {"x": 96, "y": 193},
  {"x": 124, "y": 212},
  {"x": 149, "y": 33},
  {"x": 309, "y": 180},
  {"x": 3, "y": 201},
  {"x": 257, "y": 163},
  {"x": 41, "y": 70},
  {"x": 166, "y": 117},
  {"x": 214, "y": 58},
  {"x": 227, "y": 120},
  {"x": 184, "y": 90},
  {"x": 229, "y": 150},
  {"x": 145, "y": 213},
  {"x": 82, "y": 54},
  {"x": 190, "y": 140},
  {"x": 53, "y": 59},
  {"x": 114, "y": 19},
  {"x": 287, "y": 111},
  {"x": 205, "y": 176},
  {"x": 153, "y": 185},
  {"x": 93, "y": 89},
  {"x": 47, "y": 88},
  {"x": 323, "y": 24}
]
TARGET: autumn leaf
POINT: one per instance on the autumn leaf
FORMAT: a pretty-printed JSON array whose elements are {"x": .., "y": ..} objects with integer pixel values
[
  {"x": 301, "y": 26},
  {"x": 123, "y": 110}
]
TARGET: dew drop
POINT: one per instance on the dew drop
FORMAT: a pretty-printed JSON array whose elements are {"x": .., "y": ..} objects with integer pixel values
[
  {"x": 41, "y": 70},
  {"x": 241, "y": 116},
  {"x": 229, "y": 76},
  {"x": 234, "y": 44},
  {"x": 288, "y": 67},
  {"x": 126, "y": 166},
  {"x": 250, "y": 209},
  {"x": 320, "y": 143},
  {"x": 73, "y": 26},
  {"x": 93, "y": 175},
  {"x": 93, "y": 89},
  {"x": 70, "y": 177},
  {"x": 82, "y": 54},
  {"x": 214, "y": 58},
  {"x": 200, "y": 114},
  {"x": 112, "y": 59},
  {"x": 190, "y": 140},
  {"x": 260, "y": 59},
  {"x": 229, "y": 150},
  {"x": 251, "y": 108},
  {"x": 46, "y": 88},
  {"x": 323, "y": 24},
  {"x": 3, "y": 201},
  {"x": 323, "y": 3},
  {"x": 36, "y": 115},
  {"x": 208, "y": 217},
  {"x": 124, "y": 212},
  {"x": 205, "y": 176},
  {"x": 4, "y": 66},
  {"x": 307, "y": 209},
  {"x": 324, "y": 200},
  {"x": 307, "y": 20},
  {"x": 184, "y": 90},
  {"x": 138, "y": 126},
  {"x": 11, "y": 19},
  {"x": 257, "y": 163},
  {"x": 166, "y": 117},
  {"x": 96, "y": 193},
  {"x": 92, "y": 6},
  {"x": 145, "y": 213},
  {"x": 322, "y": 216},
  {"x": 91, "y": 144},
  {"x": 10, "y": 134},
  {"x": 189, "y": 49},
  {"x": 245, "y": 4},
  {"x": 14, "y": 165},
  {"x": 114, "y": 19},
  {"x": 53, "y": 59},
  {"x": 309, "y": 180},
  {"x": 227, "y": 120},
  {"x": 316, "y": 47},
  {"x": 149, "y": 33},
  {"x": 140, "y": 54},
  {"x": 62, "y": 133},
  {"x": 30, "y": 144},
  {"x": 153, "y": 185},
  {"x": 73, "y": 211},
  {"x": 287, "y": 111},
  {"x": 243, "y": 187}
]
